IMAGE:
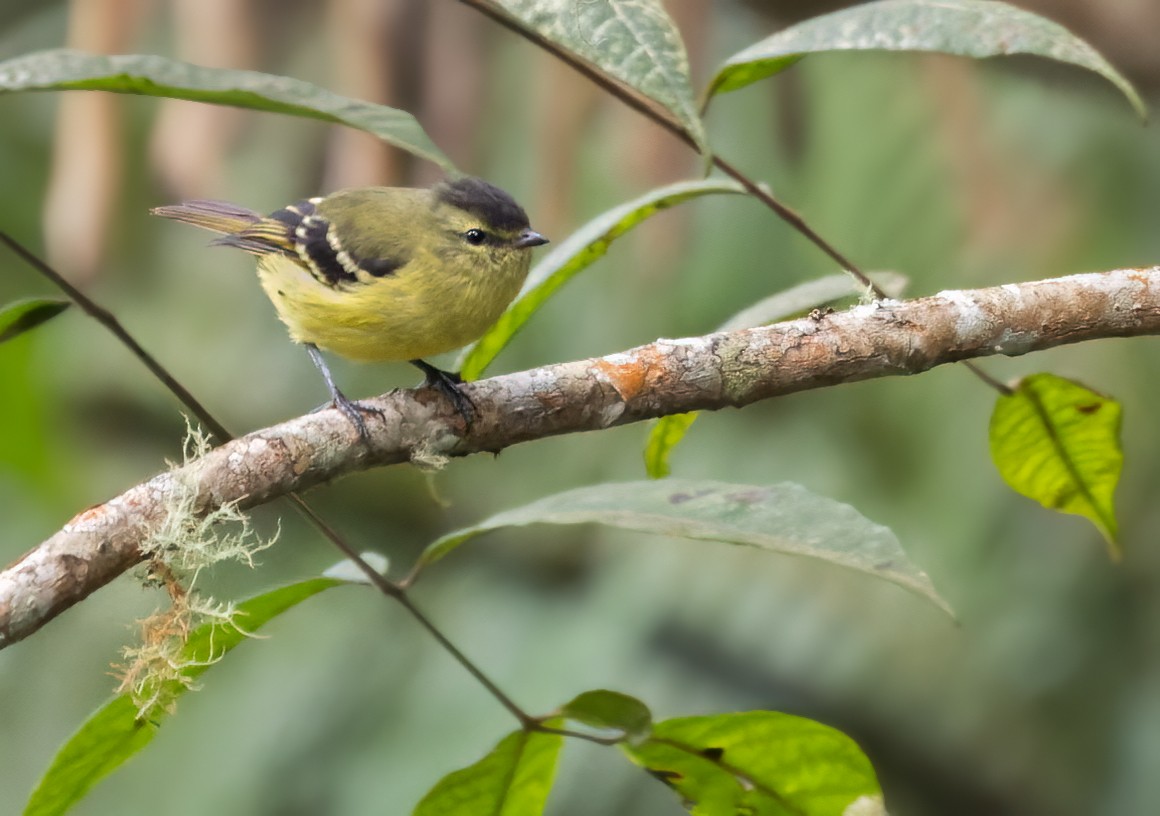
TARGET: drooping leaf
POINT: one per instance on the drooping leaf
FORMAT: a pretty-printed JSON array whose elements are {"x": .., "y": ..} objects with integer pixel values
[
  {"x": 665, "y": 435},
  {"x": 148, "y": 75},
  {"x": 633, "y": 41},
  {"x": 668, "y": 431},
  {"x": 114, "y": 733},
  {"x": 1058, "y": 442},
  {"x": 759, "y": 762},
  {"x": 969, "y": 28},
  {"x": 25, "y": 315},
  {"x": 583, "y": 248},
  {"x": 512, "y": 780},
  {"x": 784, "y": 518},
  {"x": 610, "y": 710}
]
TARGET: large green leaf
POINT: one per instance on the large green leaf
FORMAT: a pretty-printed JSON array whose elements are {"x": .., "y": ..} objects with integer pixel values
[
  {"x": 1058, "y": 442},
  {"x": 969, "y": 28},
  {"x": 25, "y": 315},
  {"x": 633, "y": 41},
  {"x": 759, "y": 762},
  {"x": 784, "y": 518},
  {"x": 513, "y": 780},
  {"x": 147, "y": 75},
  {"x": 114, "y": 733},
  {"x": 667, "y": 432},
  {"x": 583, "y": 248}
]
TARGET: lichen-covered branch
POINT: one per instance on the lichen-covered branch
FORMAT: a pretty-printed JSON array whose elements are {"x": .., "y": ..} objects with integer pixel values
[{"x": 666, "y": 377}]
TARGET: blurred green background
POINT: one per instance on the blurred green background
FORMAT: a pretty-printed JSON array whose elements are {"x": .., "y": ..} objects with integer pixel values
[{"x": 1044, "y": 699}]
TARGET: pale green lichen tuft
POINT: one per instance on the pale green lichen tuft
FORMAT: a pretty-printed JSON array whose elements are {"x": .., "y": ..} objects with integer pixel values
[{"x": 190, "y": 539}]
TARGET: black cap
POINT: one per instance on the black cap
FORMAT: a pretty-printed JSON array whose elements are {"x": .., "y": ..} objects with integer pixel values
[{"x": 490, "y": 204}]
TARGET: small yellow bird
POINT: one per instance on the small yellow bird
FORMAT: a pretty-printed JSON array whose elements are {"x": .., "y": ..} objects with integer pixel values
[{"x": 384, "y": 273}]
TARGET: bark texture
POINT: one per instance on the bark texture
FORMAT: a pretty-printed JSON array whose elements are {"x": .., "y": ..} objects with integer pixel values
[{"x": 727, "y": 369}]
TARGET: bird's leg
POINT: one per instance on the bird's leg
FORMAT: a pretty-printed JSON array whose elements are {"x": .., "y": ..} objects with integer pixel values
[
  {"x": 448, "y": 384},
  {"x": 353, "y": 410}
]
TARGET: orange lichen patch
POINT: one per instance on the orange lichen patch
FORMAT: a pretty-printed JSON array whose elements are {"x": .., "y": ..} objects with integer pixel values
[
  {"x": 627, "y": 374},
  {"x": 88, "y": 515}
]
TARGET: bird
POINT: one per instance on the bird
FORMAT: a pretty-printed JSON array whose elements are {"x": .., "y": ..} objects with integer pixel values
[{"x": 377, "y": 274}]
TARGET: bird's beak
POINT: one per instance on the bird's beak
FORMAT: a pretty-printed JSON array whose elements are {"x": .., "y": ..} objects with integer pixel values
[{"x": 529, "y": 238}]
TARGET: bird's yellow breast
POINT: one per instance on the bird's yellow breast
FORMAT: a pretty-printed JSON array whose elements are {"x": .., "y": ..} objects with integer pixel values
[{"x": 426, "y": 307}]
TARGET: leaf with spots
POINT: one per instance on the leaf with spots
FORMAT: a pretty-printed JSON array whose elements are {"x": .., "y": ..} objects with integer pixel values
[
  {"x": 1058, "y": 442},
  {"x": 784, "y": 518},
  {"x": 579, "y": 251},
  {"x": 758, "y": 762}
]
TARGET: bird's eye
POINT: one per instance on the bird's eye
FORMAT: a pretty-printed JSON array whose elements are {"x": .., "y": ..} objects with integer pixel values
[{"x": 475, "y": 237}]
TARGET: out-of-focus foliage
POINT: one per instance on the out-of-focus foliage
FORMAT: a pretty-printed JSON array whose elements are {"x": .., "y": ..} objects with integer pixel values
[{"x": 25, "y": 315}]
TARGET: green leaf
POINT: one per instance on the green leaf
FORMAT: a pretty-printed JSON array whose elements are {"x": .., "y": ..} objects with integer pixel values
[
  {"x": 114, "y": 733},
  {"x": 759, "y": 762},
  {"x": 1057, "y": 442},
  {"x": 633, "y": 41},
  {"x": 784, "y": 518},
  {"x": 610, "y": 710},
  {"x": 513, "y": 780},
  {"x": 581, "y": 249},
  {"x": 969, "y": 28},
  {"x": 147, "y": 75},
  {"x": 25, "y": 315},
  {"x": 667, "y": 432}
]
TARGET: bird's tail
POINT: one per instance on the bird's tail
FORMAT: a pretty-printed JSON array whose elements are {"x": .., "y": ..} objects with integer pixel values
[
  {"x": 241, "y": 228},
  {"x": 216, "y": 216}
]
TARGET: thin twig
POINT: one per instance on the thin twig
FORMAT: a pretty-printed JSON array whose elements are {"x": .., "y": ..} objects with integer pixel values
[{"x": 999, "y": 386}]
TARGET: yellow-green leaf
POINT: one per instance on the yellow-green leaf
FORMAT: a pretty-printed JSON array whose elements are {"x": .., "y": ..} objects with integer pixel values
[
  {"x": 1058, "y": 442},
  {"x": 512, "y": 780},
  {"x": 665, "y": 434},
  {"x": 759, "y": 762}
]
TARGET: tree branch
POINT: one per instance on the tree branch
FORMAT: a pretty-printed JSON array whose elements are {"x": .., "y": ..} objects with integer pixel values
[{"x": 886, "y": 338}]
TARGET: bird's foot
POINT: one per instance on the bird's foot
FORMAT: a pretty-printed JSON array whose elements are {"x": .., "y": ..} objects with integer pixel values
[
  {"x": 448, "y": 383},
  {"x": 354, "y": 411}
]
